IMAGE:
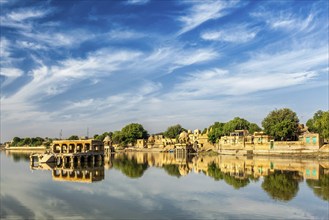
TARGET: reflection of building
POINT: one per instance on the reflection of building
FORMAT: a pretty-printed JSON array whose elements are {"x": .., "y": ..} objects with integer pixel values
[
  {"x": 81, "y": 174},
  {"x": 237, "y": 167},
  {"x": 71, "y": 172}
]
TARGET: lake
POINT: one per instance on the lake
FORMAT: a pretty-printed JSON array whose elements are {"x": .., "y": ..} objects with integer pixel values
[{"x": 165, "y": 186}]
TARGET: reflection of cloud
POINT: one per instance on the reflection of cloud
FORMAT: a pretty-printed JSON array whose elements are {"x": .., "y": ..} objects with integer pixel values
[{"x": 13, "y": 208}]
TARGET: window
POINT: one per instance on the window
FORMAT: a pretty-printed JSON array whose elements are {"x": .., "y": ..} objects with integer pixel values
[
  {"x": 314, "y": 140},
  {"x": 308, "y": 140}
]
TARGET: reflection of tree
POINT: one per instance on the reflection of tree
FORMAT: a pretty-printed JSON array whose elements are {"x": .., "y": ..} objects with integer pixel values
[
  {"x": 320, "y": 187},
  {"x": 129, "y": 167},
  {"x": 281, "y": 185},
  {"x": 172, "y": 170},
  {"x": 235, "y": 182},
  {"x": 17, "y": 157},
  {"x": 215, "y": 172}
]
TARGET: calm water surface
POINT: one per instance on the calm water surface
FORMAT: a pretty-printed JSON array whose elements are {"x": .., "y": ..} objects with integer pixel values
[{"x": 162, "y": 186}]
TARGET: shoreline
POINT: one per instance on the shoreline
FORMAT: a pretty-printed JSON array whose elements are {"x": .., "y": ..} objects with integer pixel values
[{"x": 302, "y": 155}]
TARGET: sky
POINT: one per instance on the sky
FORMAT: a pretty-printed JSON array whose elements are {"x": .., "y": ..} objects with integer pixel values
[{"x": 97, "y": 66}]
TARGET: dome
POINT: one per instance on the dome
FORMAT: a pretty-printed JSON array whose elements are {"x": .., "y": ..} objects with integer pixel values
[
  {"x": 183, "y": 135},
  {"x": 107, "y": 139},
  {"x": 151, "y": 138}
]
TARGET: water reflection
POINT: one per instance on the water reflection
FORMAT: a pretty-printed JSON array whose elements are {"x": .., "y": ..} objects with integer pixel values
[
  {"x": 282, "y": 185},
  {"x": 72, "y": 172},
  {"x": 320, "y": 187},
  {"x": 280, "y": 176}
]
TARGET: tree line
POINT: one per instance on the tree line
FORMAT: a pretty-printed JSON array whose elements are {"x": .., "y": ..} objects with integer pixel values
[{"x": 281, "y": 124}]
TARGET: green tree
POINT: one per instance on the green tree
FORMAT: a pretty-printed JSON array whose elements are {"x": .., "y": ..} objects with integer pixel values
[
  {"x": 236, "y": 124},
  {"x": 132, "y": 132},
  {"x": 281, "y": 124},
  {"x": 26, "y": 141},
  {"x": 15, "y": 141},
  {"x": 215, "y": 132},
  {"x": 73, "y": 137},
  {"x": 319, "y": 123},
  {"x": 173, "y": 131},
  {"x": 281, "y": 185},
  {"x": 253, "y": 127},
  {"x": 37, "y": 141},
  {"x": 101, "y": 137},
  {"x": 117, "y": 137}
]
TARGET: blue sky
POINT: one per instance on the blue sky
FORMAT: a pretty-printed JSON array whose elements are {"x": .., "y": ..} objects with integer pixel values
[{"x": 103, "y": 64}]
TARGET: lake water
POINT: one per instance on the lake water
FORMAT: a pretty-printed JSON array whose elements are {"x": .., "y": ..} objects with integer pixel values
[{"x": 163, "y": 186}]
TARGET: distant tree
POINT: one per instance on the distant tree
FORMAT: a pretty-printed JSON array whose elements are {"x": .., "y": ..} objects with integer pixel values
[
  {"x": 15, "y": 141},
  {"x": 281, "y": 124},
  {"x": 215, "y": 132},
  {"x": 236, "y": 124},
  {"x": 173, "y": 131},
  {"x": 73, "y": 137},
  {"x": 132, "y": 132},
  {"x": 281, "y": 185},
  {"x": 253, "y": 127},
  {"x": 37, "y": 141},
  {"x": 117, "y": 137},
  {"x": 101, "y": 137},
  {"x": 319, "y": 123},
  {"x": 26, "y": 141}
]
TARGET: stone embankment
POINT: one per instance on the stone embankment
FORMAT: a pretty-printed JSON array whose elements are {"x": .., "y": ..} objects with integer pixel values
[{"x": 27, "y": 148}]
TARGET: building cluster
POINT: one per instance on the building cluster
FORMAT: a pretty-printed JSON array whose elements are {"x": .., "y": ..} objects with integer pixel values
[{"x": 239, "y": 141}]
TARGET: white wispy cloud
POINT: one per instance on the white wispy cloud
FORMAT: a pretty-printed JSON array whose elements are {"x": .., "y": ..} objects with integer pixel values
[
  {"x": 137, "y": 2},
  {"x": 55, "y": 39},
  {"x": 283, "y": 69},
  {"x": 4, "y": 48},
  {"x": 201, "y": 12},
  {"x": 235, "y": 34},
  {"x": 123, "y": 34},
  {"x": 11, "y": 72},
  {"x": 21, "y": 18},
  {"x": 285, "y": 20},
  {"x": 30, "y": 45}
]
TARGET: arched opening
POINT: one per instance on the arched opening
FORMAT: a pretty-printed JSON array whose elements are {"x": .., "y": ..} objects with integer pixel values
[
  {"x": 72, "y": 174},
  {"x": 56, "y": 173},
  {"x": 64, "y": 148},
  {"x": 71, "y": 148},
  {"x": 79, "y": 174},
  {"x": 79, "y": 148},
  {"x": 87, "y": 147},
  {"x": 87, "y": 174},
  {"x": 59, "y": 162},
  {"x": 64, "y": 173},
  {"x": 89, "y": 159},
  {"x": 75, "y": 160}
]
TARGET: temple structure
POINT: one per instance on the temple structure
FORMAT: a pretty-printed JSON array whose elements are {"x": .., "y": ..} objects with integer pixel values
[{"x": 72, "y": 151}]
